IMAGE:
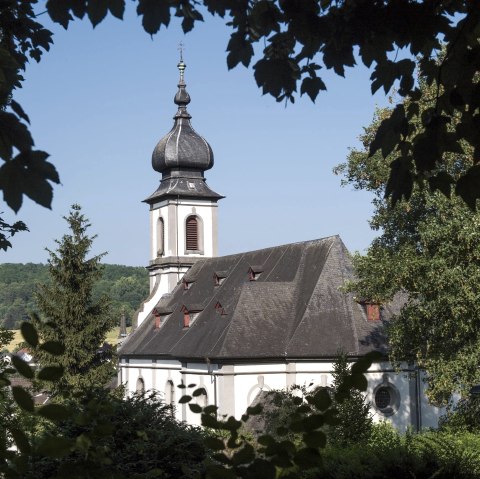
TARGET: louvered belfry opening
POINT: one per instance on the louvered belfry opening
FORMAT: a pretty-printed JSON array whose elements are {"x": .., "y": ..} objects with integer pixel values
[{"x": 192, "y": 233}]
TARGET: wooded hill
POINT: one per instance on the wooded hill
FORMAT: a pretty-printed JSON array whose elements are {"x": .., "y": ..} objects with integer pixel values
[{"x": 127, "y": 287}]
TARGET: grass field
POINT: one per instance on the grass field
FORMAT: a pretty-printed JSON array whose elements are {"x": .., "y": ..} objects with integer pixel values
[{"x": 112, "y": 338}]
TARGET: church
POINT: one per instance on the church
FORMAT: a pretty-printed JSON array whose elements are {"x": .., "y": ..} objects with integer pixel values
[{"x": 256, "y": 321}]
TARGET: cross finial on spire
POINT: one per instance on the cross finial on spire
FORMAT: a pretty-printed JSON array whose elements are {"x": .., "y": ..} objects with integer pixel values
[
  {"x": 181, "y": 65},
  {"x": 181, "y": 47}
]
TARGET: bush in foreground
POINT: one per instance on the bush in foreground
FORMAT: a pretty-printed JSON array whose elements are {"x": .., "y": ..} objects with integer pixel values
[{"x": 125, "y": 438}]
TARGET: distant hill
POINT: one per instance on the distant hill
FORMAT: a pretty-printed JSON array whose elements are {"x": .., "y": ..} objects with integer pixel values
[{"x": 127, "y": 286}]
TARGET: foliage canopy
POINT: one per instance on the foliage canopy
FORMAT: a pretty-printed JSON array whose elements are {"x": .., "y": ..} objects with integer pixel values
[
  {"x": 127, "y": 286},
  {"x": 300, "y": 37},
  {"x": 429, "y": 251}
]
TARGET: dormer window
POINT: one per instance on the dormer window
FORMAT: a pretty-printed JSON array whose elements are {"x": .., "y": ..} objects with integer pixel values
[
  {"x": 186, "y": 284},
  {"x": 254, "y": 272},
  {"x": 220, "y": 309},
  {"x": 189, "y": 315},
  {"x": 219, "y": 277},
  {"x": 373, "y": 311},
  {"x": 160, "y": 316}
]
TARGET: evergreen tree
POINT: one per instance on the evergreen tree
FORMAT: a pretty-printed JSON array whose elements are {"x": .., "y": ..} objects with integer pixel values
[
  {"x": 73, "y": 316},
  {"x": 354, "y": 418}
]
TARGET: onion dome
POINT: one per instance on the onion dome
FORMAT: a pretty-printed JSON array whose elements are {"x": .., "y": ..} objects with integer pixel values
[
  {"x": 182, "y": 156},
  {"x": 182, "y": 148}
]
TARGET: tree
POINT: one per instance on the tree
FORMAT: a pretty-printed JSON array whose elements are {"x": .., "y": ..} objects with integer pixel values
[
  {"x": 124, "y": 437},
  {"x": 354, "y": 423},
  {"x": 300, "y": 38},
  {"x": 73, "y": 317},
  {"x": 429, "y": 250}
]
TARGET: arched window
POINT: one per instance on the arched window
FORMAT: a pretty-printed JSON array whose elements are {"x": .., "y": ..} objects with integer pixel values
[
  {"x": 140, "y": 388},
  {"x": 160, "y": 237},
  {"x": 191, "y": 235},
  {"x": 169, "y": 393}
]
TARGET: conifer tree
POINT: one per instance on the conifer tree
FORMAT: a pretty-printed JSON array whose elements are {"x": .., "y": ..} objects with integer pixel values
[
  {"x": 71, "y": 315},
  {"x": 354, "y": 417}
]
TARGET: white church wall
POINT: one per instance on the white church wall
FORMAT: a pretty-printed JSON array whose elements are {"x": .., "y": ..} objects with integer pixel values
[
  {"x": 234, "y": 387},
  {"x": 429, "y": 414}
]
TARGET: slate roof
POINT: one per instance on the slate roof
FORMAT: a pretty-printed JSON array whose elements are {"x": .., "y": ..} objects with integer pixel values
[
  {"x": 183, "y": 187},
  {"x": 294, "y": 310}
]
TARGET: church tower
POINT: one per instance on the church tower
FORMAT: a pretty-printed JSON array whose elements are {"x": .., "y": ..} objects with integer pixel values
[{"x": 183, "y": 209}]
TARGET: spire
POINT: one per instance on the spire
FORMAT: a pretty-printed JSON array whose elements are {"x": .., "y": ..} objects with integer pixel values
[
  {"x": 182, "y": 152},
  {"x": 182, "y": 98}
]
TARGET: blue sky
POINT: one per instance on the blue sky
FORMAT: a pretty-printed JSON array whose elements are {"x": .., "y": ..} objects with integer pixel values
[{"x": 101, "y": 99}]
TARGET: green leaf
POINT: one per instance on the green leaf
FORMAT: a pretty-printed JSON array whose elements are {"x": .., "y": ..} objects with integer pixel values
[
  {"x": 314, "y": 421},
  {"x": 19, "y": 111},
  {"x": 239, "y": 51},
  {"x": 315, "y": 439},
  {"x": 79, "y": 8},
  {"x": 219, "y": 472},
  {"x": 195, "y": 408},
  {"x": 155, "y": 13},
  {"x": 321, "y": 400},
  {"x": 29, "y": 333},
  {"x": 389, "y": 132},
  {"x": 312, "y": 86},
  {"x": 83, "y": 442},
  {"x": 54, "y": 446},
  {"x": 400, "y": 182},
  {"x": 13, "y": 134},
  {"x": 467, "y": 187},
  {"x": 254, "y": 410},
  {"x": 97, "y": 11},
  {"x": 277, "y": 76},
  {"x": 308, "y": 458},
  {"x": 55, "y": 412},
  {"x": 53, "y": 347},
  {"x": 59, "y": 12},
  {"x": 261, "y": 468},
  {"x": 50, "y": 373},
  {"x": 199, "y": 392},
  {"x": 185, "y": 399},
  {"x": 266, "y": 440},
  {"x": 28, "y": 173},
  {"x": 359, "y": 381},
  {"x": 21, "y": 440},
  {"x": 22, "y": 367},
  {"x": 443, "y": 182},
  {"x": 214, "y": 443},
  {"x": 245, "y": 455},
  {"x": 210, "y": 421},
  {"x": 212, "y": 409},
  {"x": 117, "y": 8},
  {"x": 23, "y": 398}
]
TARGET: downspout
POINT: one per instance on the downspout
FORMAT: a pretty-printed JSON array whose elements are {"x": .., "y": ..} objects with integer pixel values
[
  {"x": 419, "y": 401},
  {"x": 177, "y": 246}
]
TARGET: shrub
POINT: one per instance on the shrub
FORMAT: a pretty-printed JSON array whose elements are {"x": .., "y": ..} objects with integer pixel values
[{"x": 132, "y": 437}]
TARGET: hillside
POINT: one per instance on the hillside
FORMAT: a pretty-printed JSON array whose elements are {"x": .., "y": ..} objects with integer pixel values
[{"x": 127, "y": 286}]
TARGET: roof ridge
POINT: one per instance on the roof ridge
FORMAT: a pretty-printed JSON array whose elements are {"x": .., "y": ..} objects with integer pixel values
[{"x": 274, "y": 247}]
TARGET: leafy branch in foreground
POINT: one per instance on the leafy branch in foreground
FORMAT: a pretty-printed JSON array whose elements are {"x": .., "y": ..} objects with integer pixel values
[
  {"x": 277, "y": 455},
  {"x": 299, "y": 38}
]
